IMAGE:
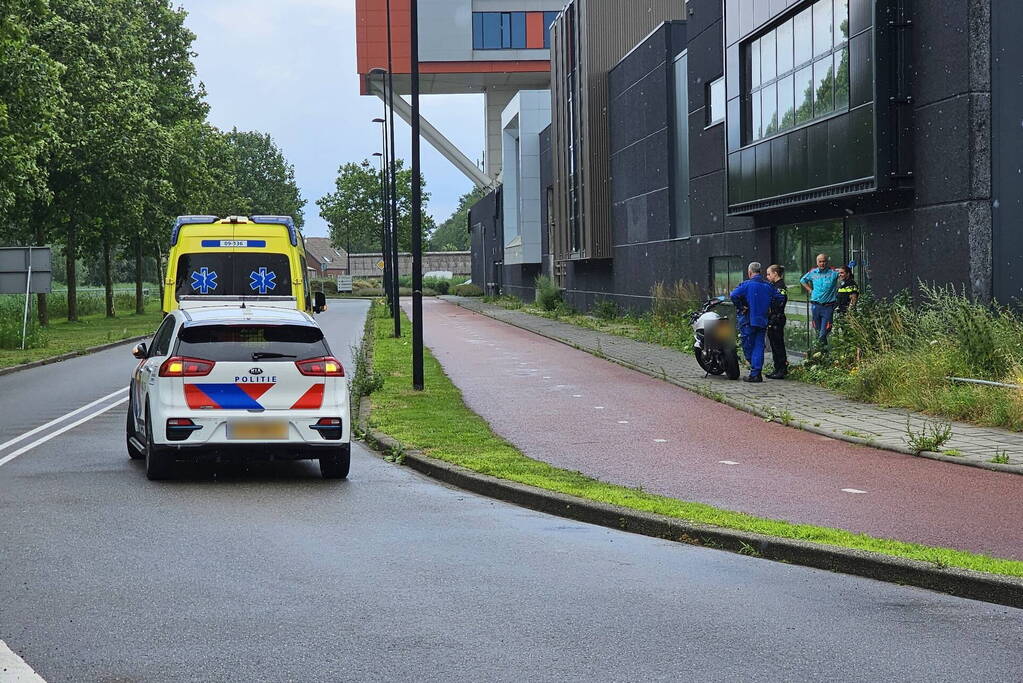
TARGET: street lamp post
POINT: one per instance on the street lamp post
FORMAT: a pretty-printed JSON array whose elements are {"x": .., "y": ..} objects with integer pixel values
[
  {"x": 395, "y": 242},
  {"x": 417, "y": 210},
  {"x": 384, "y": 225}
]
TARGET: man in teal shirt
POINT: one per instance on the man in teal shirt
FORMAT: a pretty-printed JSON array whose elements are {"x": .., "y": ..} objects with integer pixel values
[{"x": 821, "y": 284}]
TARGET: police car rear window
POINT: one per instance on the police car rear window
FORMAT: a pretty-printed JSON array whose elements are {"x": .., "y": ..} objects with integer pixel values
[
  {"x": 227, "y": 343},
  {"x": 233, "y": 274}
]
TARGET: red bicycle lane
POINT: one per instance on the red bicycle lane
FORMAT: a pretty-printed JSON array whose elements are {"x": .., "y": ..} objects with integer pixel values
[{"x": 579, "y": 412}]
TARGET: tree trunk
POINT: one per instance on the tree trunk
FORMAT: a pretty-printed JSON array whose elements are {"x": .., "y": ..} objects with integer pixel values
[
  {"x": 108, "y": 279},
  {"x": 72, "y": 275},
  {"x": 140, "y": 302},
  {"x": 43, "y": 312},
  {"x": 159, "y": 274}
]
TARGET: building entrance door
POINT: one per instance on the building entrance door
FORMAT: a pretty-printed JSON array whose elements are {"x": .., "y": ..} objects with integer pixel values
[{"x": 796, "y": 247}]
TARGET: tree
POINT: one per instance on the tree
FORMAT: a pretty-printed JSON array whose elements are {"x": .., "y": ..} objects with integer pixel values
[
  {"x": 264, "y": 178},
  {"x": 453, "y": 234},
  {"x": 353, "y": 210}
]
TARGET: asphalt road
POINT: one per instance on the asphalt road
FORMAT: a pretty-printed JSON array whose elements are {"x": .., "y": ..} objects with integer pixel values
[
  {"x": 271, "y": 573},
  {"x": 578, "y": 412}
]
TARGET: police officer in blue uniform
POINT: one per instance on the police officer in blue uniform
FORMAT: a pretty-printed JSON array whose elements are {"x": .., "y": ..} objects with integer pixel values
[{"x": 753, "y": 300}]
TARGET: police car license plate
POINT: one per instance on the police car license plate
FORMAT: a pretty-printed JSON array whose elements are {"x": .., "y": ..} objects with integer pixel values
[{"x": 263, "y": 430}]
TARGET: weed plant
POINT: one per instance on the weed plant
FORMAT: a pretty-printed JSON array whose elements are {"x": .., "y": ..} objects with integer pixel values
[
  {"x": 895, "y": 353},
  {"x": 548, "y": 294}
]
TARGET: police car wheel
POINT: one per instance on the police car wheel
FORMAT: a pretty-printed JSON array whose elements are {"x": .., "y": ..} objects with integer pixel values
[
  {"x": 129, "y": 431},
  {"x": 337, "y": 466},
  {"x": 158, "y": 462}
]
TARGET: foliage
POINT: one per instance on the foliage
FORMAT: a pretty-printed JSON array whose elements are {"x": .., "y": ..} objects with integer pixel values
[
  {"x": 676, "y": 301},
  {"x": 467, "y": 290},
  {"x": 931, "y": 437},
  {"x": 605, "y": 309},
  {"x": 453, "y": 234},
  {"x": 459, "y": 436},
  {"x": 896, "y": 353},
  {"x": 548, "y": 294},
  {"x": 354, "y": 210},
  {"x": 264, "y": 177}
]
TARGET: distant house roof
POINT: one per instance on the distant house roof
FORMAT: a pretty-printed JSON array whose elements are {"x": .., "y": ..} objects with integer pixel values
[{"x": 323, "y": 253}]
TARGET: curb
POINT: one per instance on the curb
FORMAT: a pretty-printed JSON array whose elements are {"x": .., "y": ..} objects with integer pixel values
[
  {"x": 963, "y": 583},
  {"x": 753, "y": 410},
  {"x": 70, "y": 355}
]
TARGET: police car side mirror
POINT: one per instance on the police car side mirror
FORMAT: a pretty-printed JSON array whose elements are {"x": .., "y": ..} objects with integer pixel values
[
  {"x": 319, "y": 302},
  {"x": 140, "y": 351}
]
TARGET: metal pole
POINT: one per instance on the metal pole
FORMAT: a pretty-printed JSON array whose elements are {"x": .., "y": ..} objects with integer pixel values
[
  {"x": 417, "y": 210},
  {"x": 28, "y": 287},
  {"x": 385, "y": 226},
  {"x": 395, "y": 242}
]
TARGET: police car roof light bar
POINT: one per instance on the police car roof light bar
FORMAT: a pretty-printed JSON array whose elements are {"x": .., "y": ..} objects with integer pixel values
[
  {"x": 286, "y": 221},
  {"x": 188, "y": 220}
]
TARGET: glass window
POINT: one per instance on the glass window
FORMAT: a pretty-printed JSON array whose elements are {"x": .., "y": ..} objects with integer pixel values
[
  {"x": 477, "y": 30},
  {"x": 726, "y": 273},
  {"x": 239, "y": 343},
  {"x": 491, "y": 30},
  {"x": 769, "y": 107},
  {"x": 841, "y": 21},
  {"x": 786, "y": 103},
  {"x": 233, "y": 274},
  {"x": 518, "y": 30},
  {"x": 785, "y": 48},
  {"x": 548, "y": 20},
  {"x": 160, "y": 346},
  {"x": 755, "y": 120},
  {"x": 803, "y": 87},
  {"x": 823, "y": 36},
  {"x": 754, "y": 61},
  {"x": 506, "y": 29},
  {"x": 768, "y": 60},
  {"x": 716, "y": 101},
  {"x": 802, "y": 30},
  {"x": 842, "y": 79},
  {"x": 824, "y": 86},
  {"x": 681, "y": 226}
]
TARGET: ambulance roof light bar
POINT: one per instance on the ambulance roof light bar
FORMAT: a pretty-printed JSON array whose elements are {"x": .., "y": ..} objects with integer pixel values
[
  {"x": 286, "y": 221},
  {"x": 189, "y": 220}
]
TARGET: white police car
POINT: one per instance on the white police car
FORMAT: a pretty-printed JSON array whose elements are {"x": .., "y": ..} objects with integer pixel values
[{"x": 238, "y": 381}]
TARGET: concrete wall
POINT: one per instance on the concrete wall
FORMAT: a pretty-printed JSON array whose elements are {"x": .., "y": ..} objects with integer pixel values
[
  {"x": 458, "y": 262},
  {"x": 528, "y": 114}
]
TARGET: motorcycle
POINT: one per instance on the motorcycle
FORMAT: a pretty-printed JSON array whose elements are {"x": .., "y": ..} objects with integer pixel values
[{"x": 714, "y": 331}]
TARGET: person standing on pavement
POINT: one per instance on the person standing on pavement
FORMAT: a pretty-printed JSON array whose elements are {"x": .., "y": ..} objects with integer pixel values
[
  {"x": 776, "y": 322},
  {"x": 753, "y": 299},
  {"x": 848, "y": 290},
  {"x": 821, "y": 284}
]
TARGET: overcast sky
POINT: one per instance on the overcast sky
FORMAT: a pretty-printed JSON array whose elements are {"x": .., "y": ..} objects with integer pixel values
[{"x": 287, "y": 67}]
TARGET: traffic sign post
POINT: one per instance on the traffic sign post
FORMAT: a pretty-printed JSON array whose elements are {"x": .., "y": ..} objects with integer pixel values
[
  {"x": 25, "y": 270},
  {"x": 345, "y": 284}
]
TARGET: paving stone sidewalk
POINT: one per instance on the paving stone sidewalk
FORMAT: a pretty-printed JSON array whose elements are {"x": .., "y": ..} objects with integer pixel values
[{"x": 796, "y": 404}]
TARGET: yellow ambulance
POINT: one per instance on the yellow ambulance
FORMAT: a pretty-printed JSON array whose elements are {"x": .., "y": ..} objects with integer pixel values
[{"x": 257, "y": 258}]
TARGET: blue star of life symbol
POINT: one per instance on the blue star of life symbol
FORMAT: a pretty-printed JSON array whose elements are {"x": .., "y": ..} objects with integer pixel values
[
  {"x": 263, "y": 281},
  {"x": 204, "y": 280}
]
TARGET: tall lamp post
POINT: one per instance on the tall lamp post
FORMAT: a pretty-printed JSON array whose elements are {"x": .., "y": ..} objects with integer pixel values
[
  {"x": 384, "y": 227},
  {"x": 417, "y": 209},
  {"x": 395, "y": 242}
]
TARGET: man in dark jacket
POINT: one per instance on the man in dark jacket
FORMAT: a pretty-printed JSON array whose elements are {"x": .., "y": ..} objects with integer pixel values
[{"x": 753, "y": 299}]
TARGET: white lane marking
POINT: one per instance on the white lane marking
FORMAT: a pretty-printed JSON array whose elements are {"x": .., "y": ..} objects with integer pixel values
[
  {"x": 546, "y": 377},
  {"x": 577, "y": 395},
  {"x": 14, "y": 669},
  {"x": 727, "y": 462},
  {"x": 852, "y": 491},
  {"x": 598, "y": 407},
  {"x": 49, "y": 424},
  {"x": 623, "y": 422},
  {"x": 38, "y": 442},
  {"x": 660, "y": 441}
]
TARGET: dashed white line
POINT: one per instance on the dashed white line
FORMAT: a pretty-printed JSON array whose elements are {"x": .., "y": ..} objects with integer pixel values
[
  {"x": 598, "y": 407},
  {"x": 623, "y": 422},
  {"x": 14, "y": 669},
  {"x": 852, "y": 491},
  {"x": 727, "y": 462},
  {"x": 660, "y": 441},
  {"x": 577, "y": 395}
]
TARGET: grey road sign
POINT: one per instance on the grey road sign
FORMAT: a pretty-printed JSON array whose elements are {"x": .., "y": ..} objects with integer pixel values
[{"x": 25, "y": 266}]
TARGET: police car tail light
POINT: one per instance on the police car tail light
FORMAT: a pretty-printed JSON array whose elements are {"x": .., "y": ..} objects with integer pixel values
[
  {"x": 328, "y": 366},
  {"x": 179, "y": 366}
]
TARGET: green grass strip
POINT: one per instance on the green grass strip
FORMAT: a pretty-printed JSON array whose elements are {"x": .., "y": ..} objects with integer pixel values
[
  {"x": 94, "y": 330},
  {"x": 437, "y": 422}
]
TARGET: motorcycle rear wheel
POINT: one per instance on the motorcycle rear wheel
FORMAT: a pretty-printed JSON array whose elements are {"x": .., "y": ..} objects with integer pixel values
[
  {"x": 710, "y": 364},
  {"x": 732, "y": 364}
]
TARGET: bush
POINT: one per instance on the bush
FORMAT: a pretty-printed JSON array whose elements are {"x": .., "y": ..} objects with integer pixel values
[
  {"x": 442, "y": 286},
  {"x": 12, "y": 309},
  {"x": 467, "y": 290},
  {"x": 676, "y": 301},
  {"x": 326, "y": 285},
  {"x": 605, "y": 309},
  {"x": 548, "y": 294},
  {"x": 368, "y": 292}
]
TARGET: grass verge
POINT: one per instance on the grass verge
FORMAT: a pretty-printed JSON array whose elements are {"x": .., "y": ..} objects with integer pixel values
[
  {"x": 437, "y": 422},
  {"x": 94, "y": 330}
]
